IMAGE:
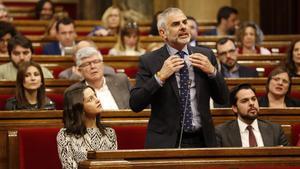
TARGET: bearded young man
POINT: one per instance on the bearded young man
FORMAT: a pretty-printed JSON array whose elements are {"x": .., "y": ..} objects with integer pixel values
[
  {"x": 247, "y": 130},
  {"x": 19, "y": 50}
]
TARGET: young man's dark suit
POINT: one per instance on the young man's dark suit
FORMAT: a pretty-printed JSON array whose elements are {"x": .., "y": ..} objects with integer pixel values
[
  {"x": 228, "y": 134},
  {"x": 164, "y": 124}
]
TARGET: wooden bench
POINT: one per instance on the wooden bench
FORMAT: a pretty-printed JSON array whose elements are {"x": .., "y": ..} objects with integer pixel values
[
  {"x": 208, "y": 158},
  {"x": 11, "y": 121},
  {"x": 263, "y": 63}
]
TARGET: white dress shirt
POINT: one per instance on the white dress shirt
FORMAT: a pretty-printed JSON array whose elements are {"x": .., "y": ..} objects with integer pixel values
[
  {"x": 245, "y": 133},
  {"x": 106, "y": 99}
]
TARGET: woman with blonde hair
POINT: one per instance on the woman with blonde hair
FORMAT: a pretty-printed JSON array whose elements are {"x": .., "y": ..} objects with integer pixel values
[
  {"x": 128, "y": 42},
  {"x": 111, "y": 22},
  {"x": 249, "y": 36}
]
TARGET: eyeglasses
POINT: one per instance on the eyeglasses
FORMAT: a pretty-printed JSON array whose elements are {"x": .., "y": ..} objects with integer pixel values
[
  {"x": 132, "y": 25},
  {"x": 86, "y": 64},
  {"x": 277, "y": 79},
  {"x": 231, "y": 51}
]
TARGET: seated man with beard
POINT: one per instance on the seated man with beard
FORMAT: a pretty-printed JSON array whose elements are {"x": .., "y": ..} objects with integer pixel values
[
  {"x": 247, "y": 130},
  {"x": 19, "y": 50},
  {"x": 227, "y": 56}
]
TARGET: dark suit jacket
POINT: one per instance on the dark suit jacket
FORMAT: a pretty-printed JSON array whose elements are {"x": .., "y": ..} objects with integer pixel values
[
  {"x": 243, "y": 71},
  {"x": 51, "y": 48},
  {"x": 289, "y": 102},
  {"x": 118, "y": 85},
  {"x": 164, "y": 123},
  {"x": 228, "y": 134}
]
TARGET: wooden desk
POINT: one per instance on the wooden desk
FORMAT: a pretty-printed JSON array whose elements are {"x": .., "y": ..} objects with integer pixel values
[
  {"x": 212, "y": 158},
  {"x": 11, "y": 121}
]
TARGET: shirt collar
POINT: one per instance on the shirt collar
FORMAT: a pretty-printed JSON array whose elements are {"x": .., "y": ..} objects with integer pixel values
[
  {"x": 173, "y": 51},
  {"x": 243, "y": 125},
  {"x": 104, "y": 83}
]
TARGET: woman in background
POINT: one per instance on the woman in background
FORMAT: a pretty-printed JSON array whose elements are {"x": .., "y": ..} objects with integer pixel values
[
  {"x": 30, "y": 89},
  {"x": 293, "y": 59},
  {"x": 44, "y": 10},
  {"x": 111, "y": 23},
  {"x": 128, "y": 42},
  {"x": 249, "y": 36},
  {"x": 278, "y": 89},
  {"x": 82, "y": 130}
]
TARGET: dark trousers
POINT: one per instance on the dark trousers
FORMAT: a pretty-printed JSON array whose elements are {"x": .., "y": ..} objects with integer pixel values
[{"x": 192, "y": 140}]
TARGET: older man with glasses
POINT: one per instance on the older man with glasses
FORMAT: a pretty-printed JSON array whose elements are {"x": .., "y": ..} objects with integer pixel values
[{"x": 112, "y": 90}]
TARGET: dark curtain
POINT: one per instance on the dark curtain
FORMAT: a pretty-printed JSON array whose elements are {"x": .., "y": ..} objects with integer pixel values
[{"x": 280, "y": 16}]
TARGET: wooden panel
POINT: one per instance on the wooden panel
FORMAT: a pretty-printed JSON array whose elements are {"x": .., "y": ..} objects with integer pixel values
[
  {"x": 225, "y": 158},
  {"x": 12, "y": 120}
]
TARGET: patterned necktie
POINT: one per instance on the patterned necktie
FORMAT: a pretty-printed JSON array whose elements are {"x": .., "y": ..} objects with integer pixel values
[
  {"x": 185, "y": 98},
  {"x": 252, "y": 140}
]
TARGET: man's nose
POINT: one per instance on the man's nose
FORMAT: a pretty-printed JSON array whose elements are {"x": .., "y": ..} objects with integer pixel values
[{"x": 22, "y": 56}]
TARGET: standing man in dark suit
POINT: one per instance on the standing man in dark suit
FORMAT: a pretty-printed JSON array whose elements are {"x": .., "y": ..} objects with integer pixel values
[
  {"x": 65, "y": 35},
  {"x": 227, "y": 54},
  {"x": 247, "y": 130},
  {"x": 177, "y": 80}
]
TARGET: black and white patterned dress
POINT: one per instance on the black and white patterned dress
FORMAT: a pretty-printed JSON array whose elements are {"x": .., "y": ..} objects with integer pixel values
[{"x": 72, "y": 150}]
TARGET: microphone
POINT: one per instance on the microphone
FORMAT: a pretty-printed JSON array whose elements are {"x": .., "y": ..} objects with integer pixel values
[{"x": 184, "y": 112}]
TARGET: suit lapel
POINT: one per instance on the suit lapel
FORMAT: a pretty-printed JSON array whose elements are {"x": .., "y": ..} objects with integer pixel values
[
  {"x": 266, "y": 133},
  {"x": 234, "y": 135},
  {"x": 164, "y": 55},
  {"x": 113, "y": 90}
]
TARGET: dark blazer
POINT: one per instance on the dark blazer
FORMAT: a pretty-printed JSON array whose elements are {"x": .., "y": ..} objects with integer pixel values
[
  {"x": 228, "y": 134},
  {"x": 289, "y": 102},
  {"x": 164, "y": 123},
  {"x": 243, "y": 71},
  {"x": 51, "y": 48},
  {"x": 118, "y": 85}
]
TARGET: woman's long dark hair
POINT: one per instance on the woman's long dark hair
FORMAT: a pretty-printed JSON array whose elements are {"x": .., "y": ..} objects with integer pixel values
[
  {"x": 290, "y": 64},
  {"x": 20, "y": 90},
  {"x": 74, "y": 115},
  {"x": 39, "y": 7}
]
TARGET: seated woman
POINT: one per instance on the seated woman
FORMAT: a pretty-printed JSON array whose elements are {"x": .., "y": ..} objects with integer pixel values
[
  {"x": 128, "y": 42},
  {"x": 82, "y": 130},
  {"x": 293, "y": 59},
  {"x": 111, "y": 22},
  {"x": 30, "y": 89},
  {"x": 249, "y": 36},
  {"x": 44, "y": 10},
  {"x": 278, "y": 89}
]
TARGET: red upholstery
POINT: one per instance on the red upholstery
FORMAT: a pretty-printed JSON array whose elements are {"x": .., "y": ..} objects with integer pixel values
[
  {"x": 38, "y": 148},
  {"x": 58, "y": 99},
  {"x": 295, "y": 131},
  {"x": 104, "y": 51},
  {"x": 56, "y": 71},
  {"x": 130, "y": 137},
  {"x": 38, "y": 50},
  {"x": 3, "y": 98}
]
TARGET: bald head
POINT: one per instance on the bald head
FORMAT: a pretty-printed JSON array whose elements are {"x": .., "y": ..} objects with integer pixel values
[{"x": 85, "y": 43}]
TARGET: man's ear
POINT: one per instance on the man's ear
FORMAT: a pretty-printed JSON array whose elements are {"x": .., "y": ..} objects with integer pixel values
[
  {"x": 162, "y": 33},
  {"x": 234, "y": 109}
]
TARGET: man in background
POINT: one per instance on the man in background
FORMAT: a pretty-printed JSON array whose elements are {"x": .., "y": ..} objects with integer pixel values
[
  {"x": 65, "y": 35},
  {"x": 227, "y": 22}
]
